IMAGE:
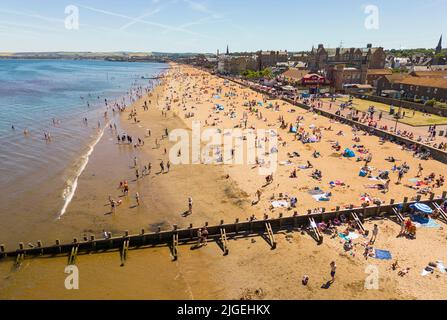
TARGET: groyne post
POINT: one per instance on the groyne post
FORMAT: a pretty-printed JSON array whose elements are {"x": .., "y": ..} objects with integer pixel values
[
  {"x": 58, "y": 245},
  {"x": 174, "y": 243},
  {"x": 404, "y": 205}
]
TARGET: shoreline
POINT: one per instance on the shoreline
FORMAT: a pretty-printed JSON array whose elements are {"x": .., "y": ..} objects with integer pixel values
[{"x": 252, "y": 269}]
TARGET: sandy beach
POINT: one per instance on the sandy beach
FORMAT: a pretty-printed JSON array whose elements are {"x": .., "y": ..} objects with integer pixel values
[{"x": 226, "y": 192}]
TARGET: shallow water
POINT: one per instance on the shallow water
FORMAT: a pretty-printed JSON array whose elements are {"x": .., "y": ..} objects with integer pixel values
[{"x": 38, "y": 178}]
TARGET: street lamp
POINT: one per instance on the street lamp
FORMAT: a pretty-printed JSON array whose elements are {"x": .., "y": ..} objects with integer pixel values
[{"x": 399, "y": 111}]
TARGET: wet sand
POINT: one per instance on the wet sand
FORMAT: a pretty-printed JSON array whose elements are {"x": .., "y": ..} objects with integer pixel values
[{"x": 251, "y": 270}]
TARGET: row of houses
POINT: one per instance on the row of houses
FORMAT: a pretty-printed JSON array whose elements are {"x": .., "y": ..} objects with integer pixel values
[
  {"x": 341, "y": 69},
  {"x": 236, "y": 64},
  {"x": 417, "y": 85}
]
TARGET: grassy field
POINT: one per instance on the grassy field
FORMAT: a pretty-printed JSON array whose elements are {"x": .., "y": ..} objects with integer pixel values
[{"x": 417, "y": 120}]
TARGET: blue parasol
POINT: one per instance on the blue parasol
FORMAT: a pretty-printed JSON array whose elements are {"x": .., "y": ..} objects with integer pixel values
[{"x": 423, "y": 208}]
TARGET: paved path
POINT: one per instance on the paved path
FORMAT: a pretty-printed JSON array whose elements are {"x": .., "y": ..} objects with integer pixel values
[{"x": 390, "y": 122}]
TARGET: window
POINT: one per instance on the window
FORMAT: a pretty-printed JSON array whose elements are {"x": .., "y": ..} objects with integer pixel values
[{"x": 428, "y": 90}]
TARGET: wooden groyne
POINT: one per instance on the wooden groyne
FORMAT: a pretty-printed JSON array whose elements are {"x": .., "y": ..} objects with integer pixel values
[{"x": 221, "y": 233}]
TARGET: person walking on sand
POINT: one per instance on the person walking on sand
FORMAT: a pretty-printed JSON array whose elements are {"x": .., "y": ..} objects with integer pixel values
[
  {"x": 112, "y": 205},
  {"x": 126, "y": 188},
  {"x": 199, "y": 237},
  {"x": 137, "y": 173},
  {"x": 205, "y": 236},
  {"x": 162, "y": 166},
  {"x": 333, "y": 270},
  {"x": 420, "y": 169},
  {"x": 137, "y": 198},
  {"x": 400, "y": 175},
  {"x": 386, "y": 186},
  {"x": 135, "y": 162},
  {"x": 168, "y": 165},
  {"x": 368, "y": 159},
  {"x": 258, "y": 195},
  {"x": 375, "y": 232},
  {"x": 149, "y": 167},
  {"x": 190, "y": 205}
]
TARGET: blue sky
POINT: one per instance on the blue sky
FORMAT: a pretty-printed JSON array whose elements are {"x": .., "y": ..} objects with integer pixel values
[{"x": 208, "y": 25}]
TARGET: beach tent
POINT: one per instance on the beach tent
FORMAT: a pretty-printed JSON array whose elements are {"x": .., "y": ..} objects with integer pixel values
[
  {"x": 293, "y": 129},
  {"x": 422, "y": 208},
  {"x": 348, "y": 153}
]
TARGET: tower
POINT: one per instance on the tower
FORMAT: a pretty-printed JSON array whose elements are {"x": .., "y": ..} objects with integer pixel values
[
  {"x": 439, "y": 47},
  {"x": 228, "y": 51}
]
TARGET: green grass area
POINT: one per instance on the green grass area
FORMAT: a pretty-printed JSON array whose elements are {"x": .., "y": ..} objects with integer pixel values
[{"x": 417, "y": 120}]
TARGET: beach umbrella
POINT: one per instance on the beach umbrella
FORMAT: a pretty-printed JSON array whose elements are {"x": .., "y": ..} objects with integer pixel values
[{"x": 422, "y": 208}]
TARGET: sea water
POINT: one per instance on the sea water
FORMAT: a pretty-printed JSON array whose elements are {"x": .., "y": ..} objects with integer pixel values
[{"x": 38, "y": 178}]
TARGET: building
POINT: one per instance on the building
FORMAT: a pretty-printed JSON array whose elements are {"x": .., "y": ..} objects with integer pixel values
[
  {"x": 424, "y": 88},
  {"x": 268, "y": 59},
  {"x": 385, "y": 83},
  {"x": 375, "y": 74},
  {"x": 339, "y": 75},
  {"x": 293, "y": 75},
  {"x": 236, "y": 64},
  {"x": 415, "y": 87},
  {"x": 438, "y": 49},
  {"x": 321, "y": 58}
]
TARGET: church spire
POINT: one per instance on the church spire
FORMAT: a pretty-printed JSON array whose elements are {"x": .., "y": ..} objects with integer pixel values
[
  {"x": 228, "y": 50},
  {"x": 439, "y": 47}
]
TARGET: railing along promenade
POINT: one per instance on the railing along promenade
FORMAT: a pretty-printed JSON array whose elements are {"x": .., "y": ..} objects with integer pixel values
[{"x": 435, "y": 153}]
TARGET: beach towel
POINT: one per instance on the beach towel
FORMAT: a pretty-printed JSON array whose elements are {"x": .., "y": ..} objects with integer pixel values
[
  {"x": 441, "y": 267},
  {"x": 427, "y": 271},
  {"x": 424, "y": 223},
  {"x": 315, "y": 192},
  {"x": 382, "y": 254},
  {"x": 350, "y": 236},
  {"x": 280, "y": 204},
  {"x": 321, "y": 197}
]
